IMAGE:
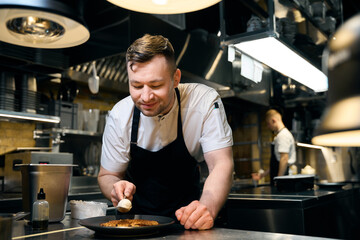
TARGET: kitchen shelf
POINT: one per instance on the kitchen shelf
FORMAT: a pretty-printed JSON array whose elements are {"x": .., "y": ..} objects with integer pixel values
[
  {"x": 266, "y": 13},
  {"x": 66, "y": 131},
  {"x": 306, "y": 15},
  {"x": 288, "y": 28},
  {"x": 29, "y": 116}
]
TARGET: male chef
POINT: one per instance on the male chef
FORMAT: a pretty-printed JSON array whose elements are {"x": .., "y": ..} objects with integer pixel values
[
  {"x": 155, "y": 138},
  {"x": 283, "y": 150}
]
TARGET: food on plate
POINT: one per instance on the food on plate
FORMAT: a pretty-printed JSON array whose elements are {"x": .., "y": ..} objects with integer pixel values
[{"x": 129, "y": 223}]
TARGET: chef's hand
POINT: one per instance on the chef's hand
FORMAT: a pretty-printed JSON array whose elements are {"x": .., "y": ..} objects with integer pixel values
[
  {"x": 119, "y": 189},
  {"x": 195, "y": 216},
  {"x": 256, "y": 176}
]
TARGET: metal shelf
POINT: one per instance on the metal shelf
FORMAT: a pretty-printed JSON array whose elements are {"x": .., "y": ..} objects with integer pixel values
[
  {"x": 310, "y": 19},
  {"x": 66, "y": 131},
  {"x": 29, "y": 116}
]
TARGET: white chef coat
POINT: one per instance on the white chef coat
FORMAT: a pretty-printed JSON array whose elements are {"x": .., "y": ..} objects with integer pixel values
[
  {"x": 285, "y": 143},
  {"x": 205, "y": 127}
]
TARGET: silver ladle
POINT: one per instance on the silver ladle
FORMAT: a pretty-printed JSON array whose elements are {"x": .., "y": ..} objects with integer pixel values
[{"x": 93, "y": 81}]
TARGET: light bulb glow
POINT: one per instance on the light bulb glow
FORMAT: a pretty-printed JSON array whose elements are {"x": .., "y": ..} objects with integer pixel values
[
  {"x": 160, "y": 2},
  {"x": 164, "y": 6}
]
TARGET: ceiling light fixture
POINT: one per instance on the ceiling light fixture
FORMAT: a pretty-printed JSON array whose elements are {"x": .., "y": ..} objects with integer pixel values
[
  {"x": 160, "y": 2},
  {"x": 164, "y": 6},
  {"x": 340, "y": 122},
  {"x": 41, "y": 24},
  {"x": 276, "y": 54},
  {"x": 262, "y": 42}
]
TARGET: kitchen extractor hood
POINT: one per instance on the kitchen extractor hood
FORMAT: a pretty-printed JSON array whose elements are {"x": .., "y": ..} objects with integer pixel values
[
  {"x": 41, "y": 24},
  {"x": 164, "y": 6},
  {"x": 340, "y": 123},
  {"x": 113, "y": 76},
  {"x": 198, "y": 55}
]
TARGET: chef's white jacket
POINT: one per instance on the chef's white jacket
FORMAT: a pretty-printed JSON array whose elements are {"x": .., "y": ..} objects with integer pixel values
[{"x": 205, "y": 127}]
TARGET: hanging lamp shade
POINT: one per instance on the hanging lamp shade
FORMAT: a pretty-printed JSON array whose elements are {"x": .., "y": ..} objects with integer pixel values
[
  {"x": 164, "y": 6},
  {"x": 41, "y": 24},
  {"x": 340, "y": 123}
]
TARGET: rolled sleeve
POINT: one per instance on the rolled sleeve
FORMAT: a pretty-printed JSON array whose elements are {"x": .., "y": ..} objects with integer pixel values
[
  {"x": 216, "y": 133},
  {"x": 115, "y": 154}
]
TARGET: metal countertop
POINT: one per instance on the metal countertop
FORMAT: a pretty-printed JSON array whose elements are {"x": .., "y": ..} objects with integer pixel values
[{"x": 70, "y": 229}]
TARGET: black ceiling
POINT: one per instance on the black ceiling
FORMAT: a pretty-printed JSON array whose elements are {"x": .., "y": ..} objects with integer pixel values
[
  {"x": 113, "y": 28},
  {"x": 350, "y": 8}
]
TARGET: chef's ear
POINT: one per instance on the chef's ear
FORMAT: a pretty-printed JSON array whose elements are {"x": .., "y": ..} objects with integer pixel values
[
  {"x": 274, "y": 120},
  {"x": 177, "y": 77}
]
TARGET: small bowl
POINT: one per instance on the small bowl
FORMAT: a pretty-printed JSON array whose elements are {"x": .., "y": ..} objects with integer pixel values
[{"x": 87, "y": 209}]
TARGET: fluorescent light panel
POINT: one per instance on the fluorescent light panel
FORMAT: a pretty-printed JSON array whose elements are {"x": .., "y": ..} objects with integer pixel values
[{"x": 281, "y": 58}]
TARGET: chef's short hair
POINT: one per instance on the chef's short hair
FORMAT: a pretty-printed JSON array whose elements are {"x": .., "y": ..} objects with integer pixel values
[
  {"x": 145, "y": 48},
  {"x": 272, "y": 113}
]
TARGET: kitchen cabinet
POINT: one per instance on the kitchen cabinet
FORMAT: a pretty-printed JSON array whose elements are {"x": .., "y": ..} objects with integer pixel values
[
  {"x": 84, "y": 145},
  {"x": 317, "y": 212}
]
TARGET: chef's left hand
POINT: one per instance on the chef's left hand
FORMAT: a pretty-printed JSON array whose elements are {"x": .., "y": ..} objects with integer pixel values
[{"x": 195, "y": 216}]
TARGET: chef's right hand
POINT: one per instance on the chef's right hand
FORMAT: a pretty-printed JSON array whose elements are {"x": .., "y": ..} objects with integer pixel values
[
  {"x": 256, "y": 176},
  {"x": 119, "y": 189}
]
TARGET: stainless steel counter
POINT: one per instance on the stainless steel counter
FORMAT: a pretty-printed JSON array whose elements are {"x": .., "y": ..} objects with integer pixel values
[
  {"x": 317, "y": 212},
  {"x": 321, "y": 213},
  {"x": 70, "y": 229}
]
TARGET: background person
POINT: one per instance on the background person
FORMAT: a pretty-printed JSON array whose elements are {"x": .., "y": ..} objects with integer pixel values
[{"x": 283, "y": 150}]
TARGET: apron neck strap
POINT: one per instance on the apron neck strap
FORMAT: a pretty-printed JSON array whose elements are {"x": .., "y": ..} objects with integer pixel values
[
  {"x": 135, "y": 126},
  {"x": 179, "y": 129}
]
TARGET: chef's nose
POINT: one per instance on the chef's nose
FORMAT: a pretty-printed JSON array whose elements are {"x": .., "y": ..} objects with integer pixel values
[{"x": 147, "y": 94}]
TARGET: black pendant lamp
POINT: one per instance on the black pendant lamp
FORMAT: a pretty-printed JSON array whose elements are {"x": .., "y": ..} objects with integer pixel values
[
  {"x": 42, "y": 23},
  {"x": 340, "y": 123}
]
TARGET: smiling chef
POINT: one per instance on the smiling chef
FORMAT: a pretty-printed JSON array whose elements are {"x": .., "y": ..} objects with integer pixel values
[{"x": 155, "y": 138}]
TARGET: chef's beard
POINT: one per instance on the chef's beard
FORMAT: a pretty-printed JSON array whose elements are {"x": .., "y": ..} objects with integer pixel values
[
  {"x": 153, "y": 112},
  {"x": 160, "y": 109}
]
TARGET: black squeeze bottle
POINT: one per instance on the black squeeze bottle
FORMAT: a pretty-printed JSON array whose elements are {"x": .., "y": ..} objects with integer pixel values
[{"x": 40, "y": 212}]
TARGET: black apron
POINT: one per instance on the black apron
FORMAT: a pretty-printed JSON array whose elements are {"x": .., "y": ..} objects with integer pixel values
[
  {"x": 165, "y": 180},
  {"x": 274, "y": 165}
]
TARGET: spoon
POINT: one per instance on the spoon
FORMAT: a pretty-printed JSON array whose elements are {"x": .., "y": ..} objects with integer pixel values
[{"x": 124, "y": 205}]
